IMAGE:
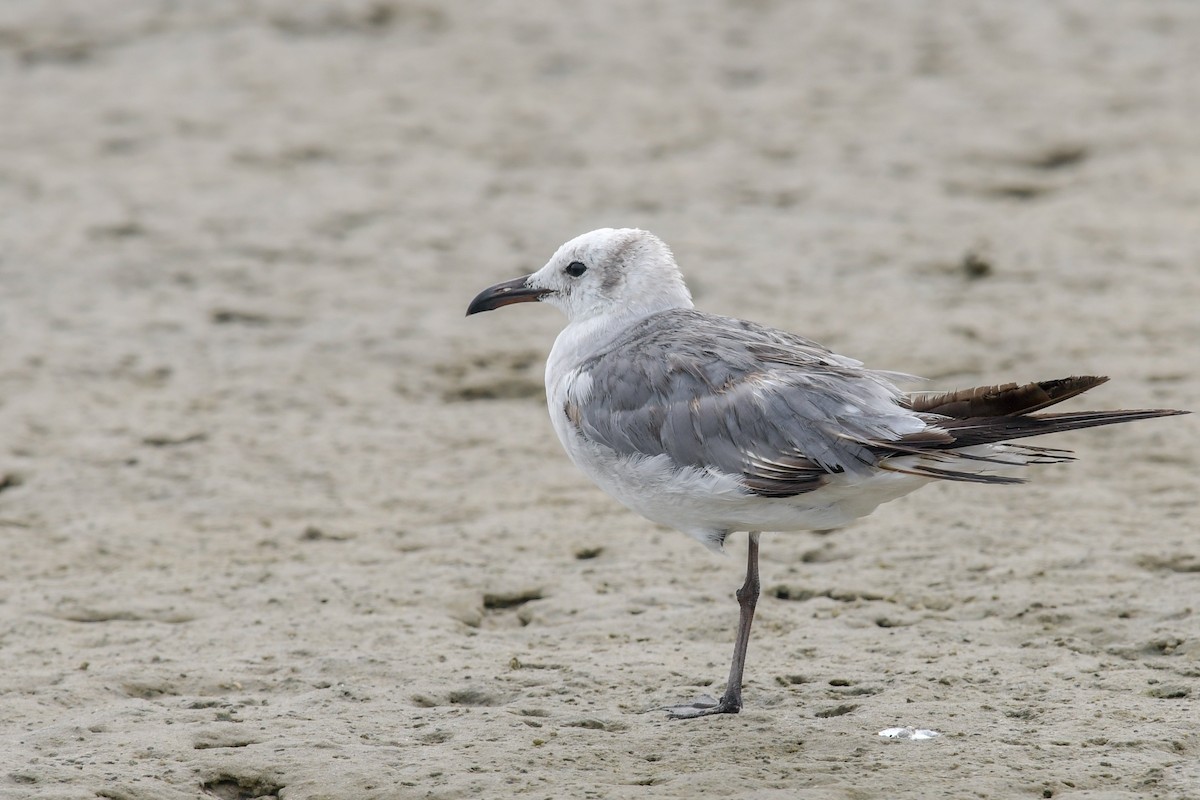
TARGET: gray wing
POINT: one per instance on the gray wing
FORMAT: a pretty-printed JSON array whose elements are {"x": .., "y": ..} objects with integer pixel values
[{"x": 725, "y": 394}]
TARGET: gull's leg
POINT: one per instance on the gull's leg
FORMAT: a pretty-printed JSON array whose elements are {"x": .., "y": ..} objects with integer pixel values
[{"x": 731, "y": 701}]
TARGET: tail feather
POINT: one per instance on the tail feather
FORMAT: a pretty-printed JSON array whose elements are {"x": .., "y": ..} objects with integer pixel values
[
  {"x": 1009, "y": 399},
  {"x": 995, "y": 415},
  {"x": 970, "y": 432}
]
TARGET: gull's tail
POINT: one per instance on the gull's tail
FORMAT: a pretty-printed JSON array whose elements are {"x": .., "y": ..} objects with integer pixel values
[
  {"x": 1003, "y": 400},
  {"x": 995, "y": 415}
]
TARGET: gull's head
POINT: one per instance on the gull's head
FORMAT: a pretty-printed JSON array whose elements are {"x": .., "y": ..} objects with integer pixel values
[{"x": 613, "y": 271}]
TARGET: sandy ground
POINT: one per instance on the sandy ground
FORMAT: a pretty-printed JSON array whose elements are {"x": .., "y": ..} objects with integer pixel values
[{"x": 277, "y": 521}]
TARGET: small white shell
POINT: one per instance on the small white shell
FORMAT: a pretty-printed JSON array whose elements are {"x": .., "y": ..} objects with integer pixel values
[{"x": 908, "y": 733}]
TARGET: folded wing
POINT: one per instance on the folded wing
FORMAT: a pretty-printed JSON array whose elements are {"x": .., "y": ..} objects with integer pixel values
[{"x": 784, "y": 414}]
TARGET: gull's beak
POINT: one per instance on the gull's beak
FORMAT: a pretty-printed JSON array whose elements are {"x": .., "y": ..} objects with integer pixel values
[{"x": 505, "y": 294}]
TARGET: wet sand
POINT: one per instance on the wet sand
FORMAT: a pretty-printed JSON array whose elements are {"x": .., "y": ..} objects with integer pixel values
[{"x": 277, "y": 521}]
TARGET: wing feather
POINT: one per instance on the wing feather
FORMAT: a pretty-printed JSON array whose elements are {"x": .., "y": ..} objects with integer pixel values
[
  {"x": 729, "y": 395},
  {"x": 784, "y": 414}
]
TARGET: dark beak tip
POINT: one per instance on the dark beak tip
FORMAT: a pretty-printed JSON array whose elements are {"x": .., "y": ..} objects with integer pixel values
[
  {"x": 478, "y": 305},
  {"x": 503, "y": 294}
]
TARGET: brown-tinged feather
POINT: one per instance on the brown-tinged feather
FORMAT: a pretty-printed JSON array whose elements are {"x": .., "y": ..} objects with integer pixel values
[
  {"x": 925, "y": 471},
  {"x": 782, "y": 477},
  {"x": 1004, "y": 400},
  {"x": 994, "y": 415},
  {"x": 573, "y": 414}
]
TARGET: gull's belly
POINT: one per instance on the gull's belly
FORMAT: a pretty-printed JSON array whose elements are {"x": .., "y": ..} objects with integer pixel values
[{"x": 707, "y": 504}]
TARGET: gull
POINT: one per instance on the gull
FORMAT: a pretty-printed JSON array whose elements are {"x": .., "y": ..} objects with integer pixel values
[{"x": 711, "y": 425}]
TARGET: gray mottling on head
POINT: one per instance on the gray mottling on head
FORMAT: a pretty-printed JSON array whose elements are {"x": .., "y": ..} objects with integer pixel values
[
  {"x": 612, "y": 278},
  {"x": 630, "y": 273},
  {"x": 617, "y": 262}
]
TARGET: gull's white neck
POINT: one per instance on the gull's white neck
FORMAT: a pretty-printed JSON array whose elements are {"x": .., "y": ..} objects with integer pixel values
[{"x": 583, "y": 338}]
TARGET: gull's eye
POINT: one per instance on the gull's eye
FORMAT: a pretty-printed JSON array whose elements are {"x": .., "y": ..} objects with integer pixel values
[{"x": 575, "y": 269}]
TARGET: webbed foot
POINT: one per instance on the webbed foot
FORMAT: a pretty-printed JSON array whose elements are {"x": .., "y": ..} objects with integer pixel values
[{"x": 705, "y": 705}]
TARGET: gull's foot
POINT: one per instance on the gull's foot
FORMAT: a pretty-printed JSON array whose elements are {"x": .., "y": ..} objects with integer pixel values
[{"x": 703, "y": 706}]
